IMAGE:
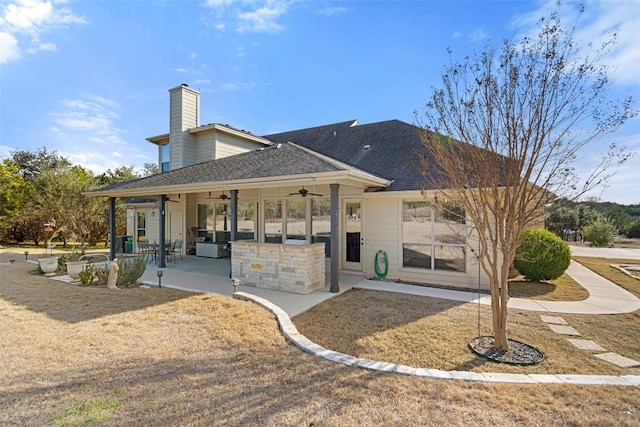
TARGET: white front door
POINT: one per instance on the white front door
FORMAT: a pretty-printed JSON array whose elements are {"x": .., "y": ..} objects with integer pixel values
[
  {"x": 175, "y": 225},
  {"x": 352, "y": 239}
]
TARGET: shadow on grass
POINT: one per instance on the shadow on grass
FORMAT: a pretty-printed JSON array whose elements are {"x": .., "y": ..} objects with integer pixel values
[
  {"x": 70, "y": 303},
  {"x": 237, "y": 388},
  {"x": 527, "y": 289}
]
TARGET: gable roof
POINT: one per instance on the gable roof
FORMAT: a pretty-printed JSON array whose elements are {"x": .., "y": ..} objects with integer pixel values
[
  {"x": 387, "y": 149},
  {"x": 280, "y": 161}
]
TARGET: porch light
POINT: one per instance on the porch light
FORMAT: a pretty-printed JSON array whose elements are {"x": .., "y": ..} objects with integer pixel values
[
  {"x": 26, "y": 255},
  {"x": 159, "y": 273},
  {"x": 235, "y": 283}
]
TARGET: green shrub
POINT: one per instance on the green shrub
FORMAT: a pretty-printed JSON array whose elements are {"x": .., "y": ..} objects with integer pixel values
[
  {"x": 131, "y": 268},
  {"x": 632, "y": 229},
  {"x": 542, "y": 255},
  {"x": 87, "y": 275},
  {"x": 599, "y": 232}
]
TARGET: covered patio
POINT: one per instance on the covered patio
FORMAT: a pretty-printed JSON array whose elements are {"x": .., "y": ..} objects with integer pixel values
[
  {"x": 290, "y": 217},
  {"x": 208, "y": 275}
]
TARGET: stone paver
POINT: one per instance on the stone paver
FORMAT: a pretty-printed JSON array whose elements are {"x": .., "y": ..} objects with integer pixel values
[
  {"x": 586, "y": 345},
  {"x": 616, "y": 359},
  {"x": 290, "y": 332},
  {"x": 562, "y": 329},
  {"x": 556, "y": 320}
]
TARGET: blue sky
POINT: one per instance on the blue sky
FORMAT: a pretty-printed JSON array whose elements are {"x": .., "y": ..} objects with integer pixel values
[{"x": 90, "y": 79}]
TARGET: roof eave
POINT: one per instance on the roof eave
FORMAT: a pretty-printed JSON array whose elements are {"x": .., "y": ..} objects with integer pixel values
[{"x": 355, "y": 178}]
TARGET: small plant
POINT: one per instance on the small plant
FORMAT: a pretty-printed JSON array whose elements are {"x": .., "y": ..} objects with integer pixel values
[
  {"x": 131, "y": 269},
  {"x": 102, "y": 274},
  {"x": 599, "y": 232},
  {"x": 542, "y": 255},
  {"x": 87, "y": 275},
  {"x": 93, "y": 412}
]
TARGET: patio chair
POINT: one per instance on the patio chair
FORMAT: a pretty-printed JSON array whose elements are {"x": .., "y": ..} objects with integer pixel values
[
  {"x": 146, "y": 250},
  {"x": 169, "y": 251},
  {"x": 177, "y": 249}
]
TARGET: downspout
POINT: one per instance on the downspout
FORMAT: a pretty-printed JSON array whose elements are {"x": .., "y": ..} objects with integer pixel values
[{"x": 335, "y": 242}]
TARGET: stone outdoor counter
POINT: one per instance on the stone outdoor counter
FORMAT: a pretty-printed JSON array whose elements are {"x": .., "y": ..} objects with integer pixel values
[{"x": 291, "y": 268}]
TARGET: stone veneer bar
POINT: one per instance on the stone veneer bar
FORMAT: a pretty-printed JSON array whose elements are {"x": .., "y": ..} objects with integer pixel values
[{"x": 291, "y": 268}]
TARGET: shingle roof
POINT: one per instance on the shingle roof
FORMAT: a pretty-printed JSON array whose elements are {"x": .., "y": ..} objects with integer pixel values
[
  {"x": 387, "y": 149},
  {"x": 277, "y": 160}
]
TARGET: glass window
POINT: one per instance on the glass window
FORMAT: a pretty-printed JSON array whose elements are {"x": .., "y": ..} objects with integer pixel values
[
  {"x": 433, "y": 239},
  {"x": 165, "y": 158},
  {"x": 297, "y": 219},
  {"x": 246, "y": 220},
  {"x": 205, "y": 221},
  {"x": 141, "y": 227},
  {"x": 223, "y": 222},
  {"x": 273, "y": 221},
  {"x": 321, "y": 223}
]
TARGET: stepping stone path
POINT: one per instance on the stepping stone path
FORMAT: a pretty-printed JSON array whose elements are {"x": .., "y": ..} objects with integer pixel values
[
  {"x": 556, "y": 320},
  {"x": 563, "y": 329},
  {"x": 586, "y": 345},
  {"x": 558, "y": 325},
  {"x": 616, "y": 359}
]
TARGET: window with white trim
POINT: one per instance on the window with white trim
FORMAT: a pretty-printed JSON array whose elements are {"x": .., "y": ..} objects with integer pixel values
[{"x": 433, "y": 239}]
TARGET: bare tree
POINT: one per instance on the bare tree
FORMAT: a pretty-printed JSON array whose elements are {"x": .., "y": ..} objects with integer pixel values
[{"x": 502, "y": 135}]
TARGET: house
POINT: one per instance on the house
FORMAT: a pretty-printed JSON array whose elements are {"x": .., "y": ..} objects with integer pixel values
[{"x": 347, "y": 192}]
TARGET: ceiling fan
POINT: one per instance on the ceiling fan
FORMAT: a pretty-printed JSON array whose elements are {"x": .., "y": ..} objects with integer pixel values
[
  {"x": 222, "y": 196},
  {"x": 157, "y": 203},
  {"x": 304, "y": 193}
]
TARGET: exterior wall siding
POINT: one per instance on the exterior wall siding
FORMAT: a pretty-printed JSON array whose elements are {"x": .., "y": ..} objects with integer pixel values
[
  {"x": 205, "y": 146},
  {"x": 383, "y": 231},
  {"x": 228, "y": 146},
  {"x": 184, "y": 112}
]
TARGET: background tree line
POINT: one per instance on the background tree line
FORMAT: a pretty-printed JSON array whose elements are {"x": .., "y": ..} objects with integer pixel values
[
  {"x": 592, "y": 219},
  {"x": 41, "y": 198}
]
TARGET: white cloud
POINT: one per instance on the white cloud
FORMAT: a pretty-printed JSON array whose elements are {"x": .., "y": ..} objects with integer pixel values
[
  {"x": 45, "y": 47},
  {"x": 262, "y": 19},
  {"x": 24, "y": 22},
  {"x": 600, "y": 20},
  {"x": 333, "y": 10},
  {"x": 88, "y": 130},
  {"x": 9, "y": 49},
  {"x": 194, "y": 55},
  {"x": 92, "y": 114},
  {"x": 250, "y": 15}
]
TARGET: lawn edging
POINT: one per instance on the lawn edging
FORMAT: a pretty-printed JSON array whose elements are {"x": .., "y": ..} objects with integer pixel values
[{"x": 291, "y": 333}]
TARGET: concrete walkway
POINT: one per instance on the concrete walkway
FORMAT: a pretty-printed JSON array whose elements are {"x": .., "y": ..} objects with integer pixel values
[{"x": 605, "y": 297}]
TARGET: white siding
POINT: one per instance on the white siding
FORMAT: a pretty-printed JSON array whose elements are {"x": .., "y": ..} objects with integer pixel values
[
  {"x": 184, "y": 111},
  {"x": 189, "y": 153},
  {"x": 206, "y": 146},
  {"x": 383, "y": 231},
  {"x": 227, "y": 145}
]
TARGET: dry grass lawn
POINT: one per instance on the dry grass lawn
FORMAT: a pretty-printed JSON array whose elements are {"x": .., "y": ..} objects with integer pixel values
[
  {"x": 90, "y": 356},
  {"x": 602, "y": 266},
  {"x": 563, "y": 288},
  {"x": 434, "y": 333}
]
